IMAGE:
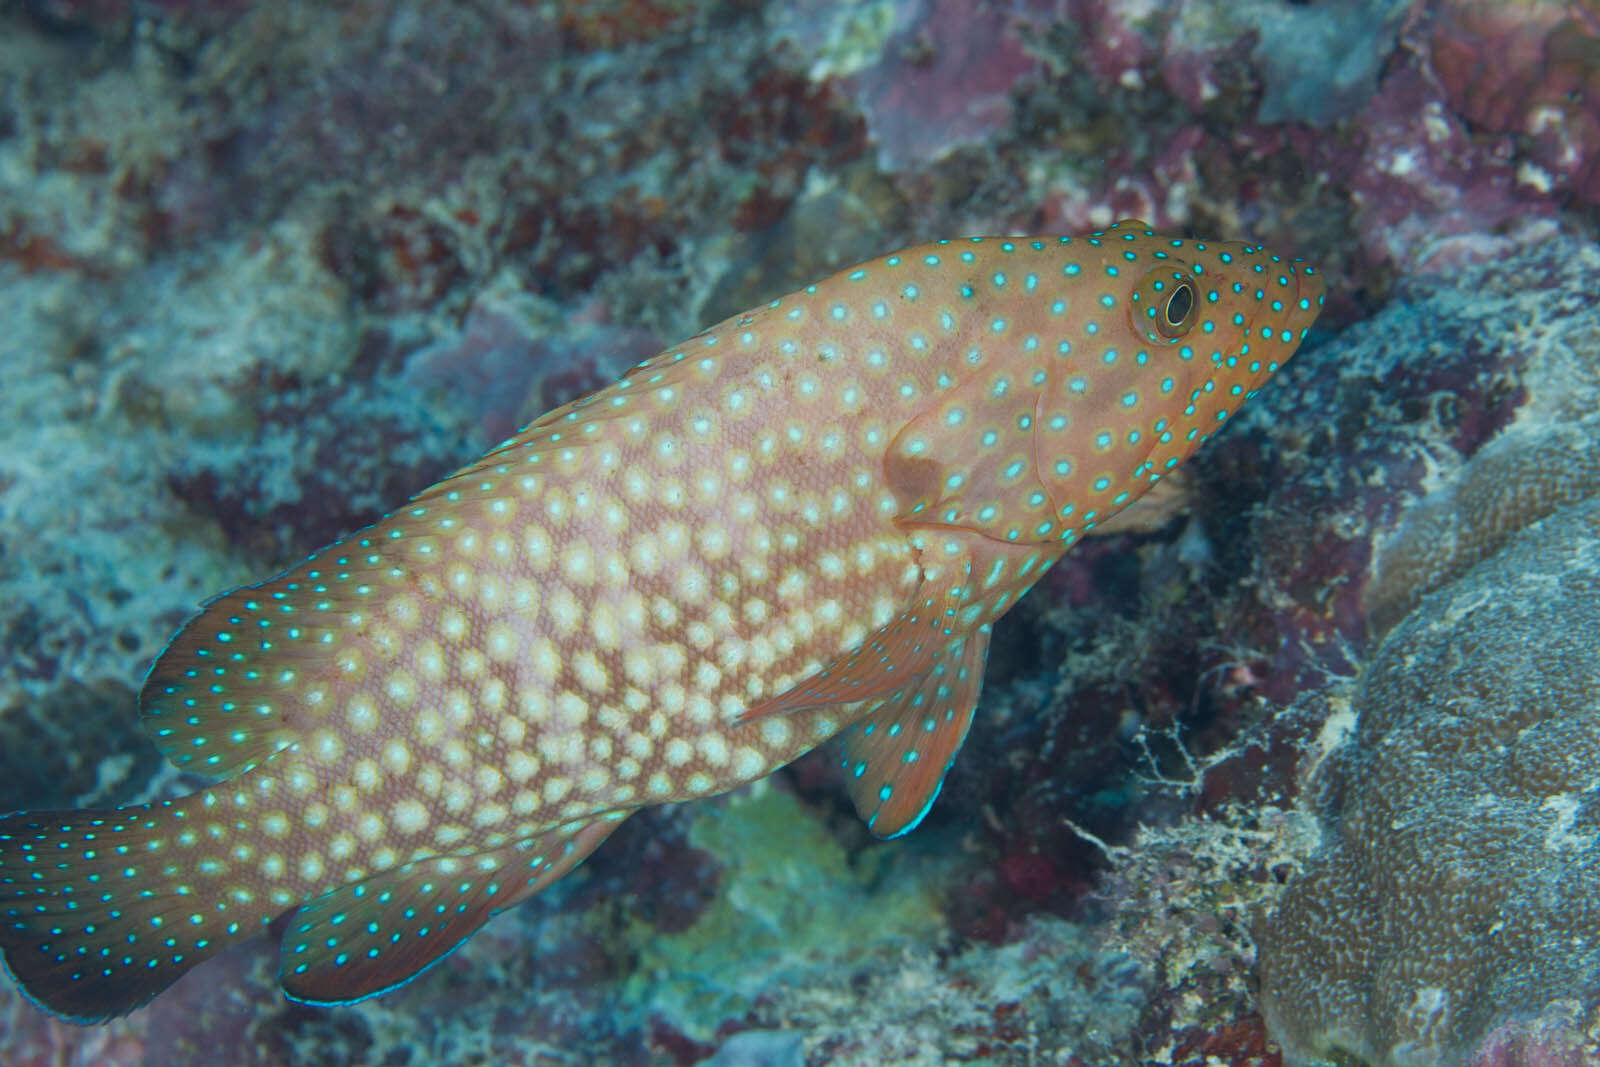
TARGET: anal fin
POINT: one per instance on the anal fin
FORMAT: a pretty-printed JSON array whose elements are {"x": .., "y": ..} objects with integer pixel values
[
  {"x": 896, "y": 759},
  {"x": 370, "y": 937}
]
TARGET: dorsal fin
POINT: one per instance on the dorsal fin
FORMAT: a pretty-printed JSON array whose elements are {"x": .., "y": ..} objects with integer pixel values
[
  {"x": 663, "y": 377},
  {"x": 224, "y": 694},
  {"x": 217, "y": 709}
]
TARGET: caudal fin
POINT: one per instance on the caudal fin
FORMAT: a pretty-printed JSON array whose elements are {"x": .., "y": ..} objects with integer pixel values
[{"x": 102, "y": 910}]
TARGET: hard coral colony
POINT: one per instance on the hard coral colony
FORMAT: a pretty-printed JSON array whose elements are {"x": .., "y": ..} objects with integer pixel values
[{"x": 801, "y": 523}]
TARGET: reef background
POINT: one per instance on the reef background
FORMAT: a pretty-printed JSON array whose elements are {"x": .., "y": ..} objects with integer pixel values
[{"x": 1298, "y": 767}]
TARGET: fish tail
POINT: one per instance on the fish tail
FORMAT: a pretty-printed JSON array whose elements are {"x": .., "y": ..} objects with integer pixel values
[{"x": 102, "y": 910}]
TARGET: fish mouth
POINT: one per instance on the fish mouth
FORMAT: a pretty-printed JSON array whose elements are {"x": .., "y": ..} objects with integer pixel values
[
  {"x": 1301, "y": 308},
  {"x": 1309, "y": 290},
  {"x": 1283, "y": 328}
]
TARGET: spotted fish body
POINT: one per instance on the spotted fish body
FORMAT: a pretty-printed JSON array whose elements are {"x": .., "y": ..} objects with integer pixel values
[{"x": 799, "y": 524}]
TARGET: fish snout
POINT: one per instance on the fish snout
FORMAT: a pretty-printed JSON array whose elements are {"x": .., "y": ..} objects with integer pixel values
[
  {"x": 1310, "y": 292},
  {"x": 1279, "y": 322}
]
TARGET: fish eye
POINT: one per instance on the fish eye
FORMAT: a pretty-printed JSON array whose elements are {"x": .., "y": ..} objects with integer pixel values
[
  {"x": 1165, "y": 305},
  {"x": 1179, "y": 304}
]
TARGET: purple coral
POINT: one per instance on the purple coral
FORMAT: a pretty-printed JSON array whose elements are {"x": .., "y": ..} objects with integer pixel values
[
  {"x": 946, "y": 78},
  {"x": 1527, "y": 67}
]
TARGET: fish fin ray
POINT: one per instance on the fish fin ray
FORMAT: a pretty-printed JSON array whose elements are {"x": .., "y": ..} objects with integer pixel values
[
  {"x": 370, "y": 937},
  {"x": 940, "y": 478},
  {"x": 205, "y": 722},
  {"x": 235, "y": 685},
  {"x": 100, "y": 919},
  {"x": 896, "y": 759}
]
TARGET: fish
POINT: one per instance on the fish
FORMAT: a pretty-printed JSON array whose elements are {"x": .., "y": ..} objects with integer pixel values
[{"x": 797, "y": 526}]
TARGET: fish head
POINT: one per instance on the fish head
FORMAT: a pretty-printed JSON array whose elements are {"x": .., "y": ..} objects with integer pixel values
[
  {"x": 1232, "y": 312},
  {"x": 1176, "y": 336}
]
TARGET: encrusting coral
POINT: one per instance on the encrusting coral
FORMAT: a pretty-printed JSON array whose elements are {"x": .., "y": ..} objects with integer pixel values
[
  {"x": 1458, "y": 899},
  {"x": 1452, "y": 914}
]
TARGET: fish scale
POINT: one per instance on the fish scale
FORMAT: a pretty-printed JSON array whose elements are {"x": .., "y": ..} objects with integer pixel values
[{"x": 798, "y": 524}]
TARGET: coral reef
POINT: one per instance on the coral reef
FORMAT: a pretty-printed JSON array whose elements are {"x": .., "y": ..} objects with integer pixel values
[
  {"x": 266, "y": 268},
  {"x": 941, "y": 78},
  {"x": 1292, "y": 45},
  {"x": 1449, "y": 915},
  {"x": 1528, "y": 67},
  {"x": 1459, "y": 894}
]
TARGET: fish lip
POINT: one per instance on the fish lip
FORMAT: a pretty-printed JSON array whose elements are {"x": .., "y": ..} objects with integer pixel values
[
  {"x": 1308, "y": 286},
  {"x": 1291, "y": 319}
]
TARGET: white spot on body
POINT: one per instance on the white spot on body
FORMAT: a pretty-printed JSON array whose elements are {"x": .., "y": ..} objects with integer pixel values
[
  {"x": 326, "y": 746},
  {"x": 409, "y": 816},
  {"x": 362, "y": 714},
  {"x": 396, "y": 756},
  {"x": 747, "y": 763},
  {"x": 501, "y": 642},
  {"x": 520, "y": 766},
  {"x": 776, "y": 731},
  {"x": 366, "y": 775},
  {"x": 714, "y": 750}
]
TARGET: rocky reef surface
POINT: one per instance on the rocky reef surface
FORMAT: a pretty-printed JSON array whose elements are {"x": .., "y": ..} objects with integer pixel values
[
  {"x": 1452, "y": 911},
  {"x": 267, "y": 268}
]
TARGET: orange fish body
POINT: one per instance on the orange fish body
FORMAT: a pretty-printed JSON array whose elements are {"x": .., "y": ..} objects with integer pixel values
[{"x": 798, "y": 524}]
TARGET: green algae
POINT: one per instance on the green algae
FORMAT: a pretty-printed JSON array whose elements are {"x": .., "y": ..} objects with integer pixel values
[{"x": 792, "y": 906}]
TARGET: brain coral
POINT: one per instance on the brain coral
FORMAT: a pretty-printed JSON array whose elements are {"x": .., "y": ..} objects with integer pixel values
[
  {"x": 1452, "y": 914},
  {"x": 1521, "y": 476},
  {"x": 1461, "y": 894}
]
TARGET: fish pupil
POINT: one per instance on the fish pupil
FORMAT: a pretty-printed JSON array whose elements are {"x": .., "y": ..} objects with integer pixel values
[{"x": 1179, "y": 304}]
